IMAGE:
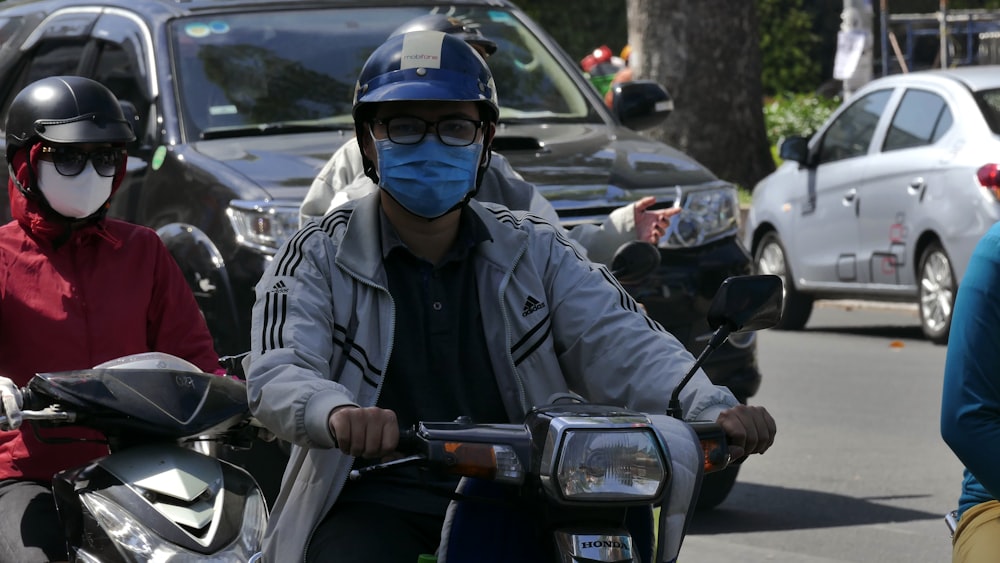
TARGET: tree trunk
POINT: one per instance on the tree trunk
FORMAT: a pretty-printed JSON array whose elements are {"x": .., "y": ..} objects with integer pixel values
[{"x": 707, "y": 55}]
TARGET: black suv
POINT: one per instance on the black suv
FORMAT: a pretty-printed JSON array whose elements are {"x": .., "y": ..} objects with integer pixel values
[{"x": 239, "y": 103}]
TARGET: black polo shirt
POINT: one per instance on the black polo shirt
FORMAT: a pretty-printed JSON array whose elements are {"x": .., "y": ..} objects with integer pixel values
[{"x": 439, "y": 368}]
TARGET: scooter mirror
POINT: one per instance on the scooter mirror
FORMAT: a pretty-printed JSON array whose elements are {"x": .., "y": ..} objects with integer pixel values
[
  {"x": 634, "y": 260},
  {"x": 747, "y": 303}
]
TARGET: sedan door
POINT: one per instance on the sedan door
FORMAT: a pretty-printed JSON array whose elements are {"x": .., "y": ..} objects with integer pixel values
[
  {"x": 824, "y": 242},
  {"x": 893, "y": 197}
]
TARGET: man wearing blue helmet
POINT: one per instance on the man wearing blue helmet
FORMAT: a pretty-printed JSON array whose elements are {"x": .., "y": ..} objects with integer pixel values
[
  {"x": 342, "y": 178},
  {"x": 418, "y": 302}
]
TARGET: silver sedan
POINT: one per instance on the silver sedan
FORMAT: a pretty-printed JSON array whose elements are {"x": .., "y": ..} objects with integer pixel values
[{"x": 887, "y": 200}]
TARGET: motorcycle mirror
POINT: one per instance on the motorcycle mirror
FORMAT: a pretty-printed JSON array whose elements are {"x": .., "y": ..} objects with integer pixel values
[
  {"x": 742, "y": 304},
  {"x": 747, "y": 303},
  {"x": 634, "y": 260}
]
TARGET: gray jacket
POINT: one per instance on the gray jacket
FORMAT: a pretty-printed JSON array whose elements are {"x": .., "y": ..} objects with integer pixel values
[{"x": 322, "y": 334}]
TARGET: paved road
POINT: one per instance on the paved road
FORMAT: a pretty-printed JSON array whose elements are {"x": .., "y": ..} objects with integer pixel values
[{"x": 859, "y": 473}]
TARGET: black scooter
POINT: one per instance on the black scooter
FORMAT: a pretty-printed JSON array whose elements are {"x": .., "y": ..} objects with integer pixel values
[{"x": 156, "y": 497}]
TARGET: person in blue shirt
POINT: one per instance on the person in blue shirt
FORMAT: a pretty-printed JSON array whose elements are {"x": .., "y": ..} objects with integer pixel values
[{"x": 970, "y": 406}]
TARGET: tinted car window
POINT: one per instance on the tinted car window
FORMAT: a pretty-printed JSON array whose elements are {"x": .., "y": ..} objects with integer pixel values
[
  {"x": 50, "y": 60},
  {"x": 115, "y": 70},
  {"x": 851, "y": 133},
  {"x": 9, "y": 26},
  {"x": 921, "y": 118},
  {"x": 241, "y": 70},
  {"x": 989, "y": 104},
  {"x": 944, "y": 124}
]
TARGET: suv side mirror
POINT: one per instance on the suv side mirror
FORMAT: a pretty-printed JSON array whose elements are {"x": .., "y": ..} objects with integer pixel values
[
  {"x": 641, "y": 104},
  {"x": 794, "y": 148}
]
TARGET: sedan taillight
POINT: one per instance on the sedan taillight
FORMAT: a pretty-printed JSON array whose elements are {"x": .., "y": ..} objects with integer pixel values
[{"x": 989, "y": 178}]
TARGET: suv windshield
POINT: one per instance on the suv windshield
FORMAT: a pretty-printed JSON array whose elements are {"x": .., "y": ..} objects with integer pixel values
[{"x": 255, "y": 72}]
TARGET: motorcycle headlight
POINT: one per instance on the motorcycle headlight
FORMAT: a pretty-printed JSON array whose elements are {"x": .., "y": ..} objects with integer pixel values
[
  {"x": 588, "y": 459},
  {"x": 137, "y": 543},
  {"x": 263, "y": 225},
  {"x": 706, "y": 215}
]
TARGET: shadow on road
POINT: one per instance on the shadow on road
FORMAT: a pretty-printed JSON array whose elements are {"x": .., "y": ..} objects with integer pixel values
[
  {"x": 757, "y": 508},
  {"x": 885, "y": 331}
]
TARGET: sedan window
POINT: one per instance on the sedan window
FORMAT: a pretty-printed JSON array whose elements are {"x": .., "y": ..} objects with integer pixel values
[
  {"x": 921, "y": 119},
  {"x": 851, "y": 132},
  {"x": 989, "y": 104}
]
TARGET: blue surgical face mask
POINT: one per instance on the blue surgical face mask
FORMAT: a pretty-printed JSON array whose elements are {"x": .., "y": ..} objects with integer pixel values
[{"x": 428, "y": 178}]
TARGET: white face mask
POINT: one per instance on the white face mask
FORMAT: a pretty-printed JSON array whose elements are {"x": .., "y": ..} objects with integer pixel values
[{"x": 73, "y": 196}]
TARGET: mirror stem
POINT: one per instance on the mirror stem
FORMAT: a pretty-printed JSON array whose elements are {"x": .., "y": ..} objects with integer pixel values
[{"x": 674, "y": 406}]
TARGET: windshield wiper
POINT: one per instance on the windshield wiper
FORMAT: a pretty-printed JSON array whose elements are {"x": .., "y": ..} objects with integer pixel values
[{"x": 269, "y": 129}]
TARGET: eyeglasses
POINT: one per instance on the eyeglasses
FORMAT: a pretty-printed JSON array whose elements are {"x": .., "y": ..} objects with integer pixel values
[
  {"x": 452, "y": 131},
  {"x": 70, "y": 161}
]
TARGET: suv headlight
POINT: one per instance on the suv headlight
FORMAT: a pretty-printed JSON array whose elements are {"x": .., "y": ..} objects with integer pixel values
[
  {"x": 263, "y": 225},
  {"x": 706, "y": 215}
]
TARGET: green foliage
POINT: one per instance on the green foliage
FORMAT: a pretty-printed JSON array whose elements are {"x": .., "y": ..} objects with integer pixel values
[
  {"x": 796, "y": 114},
  {"x": 745, "y": 196},
  {"x": 581, "y": 26},
  {"x": 787, "y": 47}
]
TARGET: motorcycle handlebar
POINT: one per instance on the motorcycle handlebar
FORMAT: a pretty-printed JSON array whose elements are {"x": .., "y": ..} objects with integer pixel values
[
  {"x": 47, "y": 413},
  {"x": 36, "y": 407},
  {"x": 409, "y": 442}
]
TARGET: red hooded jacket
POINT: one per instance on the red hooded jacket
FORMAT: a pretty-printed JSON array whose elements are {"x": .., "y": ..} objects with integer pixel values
[{"x": 109, "y": 290}]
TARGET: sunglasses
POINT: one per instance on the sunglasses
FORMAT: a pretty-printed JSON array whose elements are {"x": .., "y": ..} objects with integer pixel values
[{"x": 70, "y": 161}]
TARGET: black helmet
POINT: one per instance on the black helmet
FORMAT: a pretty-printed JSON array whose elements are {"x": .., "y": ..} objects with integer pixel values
[
  {"x": 466, "y": 31},
  {"x": 65, "y": 109}
]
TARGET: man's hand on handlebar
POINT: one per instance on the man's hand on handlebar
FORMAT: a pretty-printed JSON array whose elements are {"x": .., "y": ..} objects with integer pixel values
[
  {"x": 10, "y": 398},
  {"x": 368, "y": 432},
  {"x": 749, "y": 430}
]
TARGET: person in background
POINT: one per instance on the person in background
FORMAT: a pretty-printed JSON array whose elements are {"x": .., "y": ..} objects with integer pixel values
[
  {"x": 600, "y": 67},
  {"x": 623, "y": 74},
  {"x": 418, "y": 302},
  {"x": 970, "y": 405},
  {"x": 343, "y": 177},
  {"x": 76, "y": 289}
]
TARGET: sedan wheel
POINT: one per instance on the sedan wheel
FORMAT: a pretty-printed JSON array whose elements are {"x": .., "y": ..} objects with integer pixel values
[
  {"x": 937, "y": 294},
  {"x": 770, "y": 259}
]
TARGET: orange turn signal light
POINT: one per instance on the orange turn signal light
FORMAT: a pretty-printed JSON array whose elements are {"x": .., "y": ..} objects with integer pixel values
[
  {"x": 716, "y": 455},
  {"x": 470, "y": 459}
]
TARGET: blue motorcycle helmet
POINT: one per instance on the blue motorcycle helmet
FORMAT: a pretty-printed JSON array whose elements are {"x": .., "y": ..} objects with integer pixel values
[
  {"x": 424, "y": 66},
  {"x": 464, "y": 30}
]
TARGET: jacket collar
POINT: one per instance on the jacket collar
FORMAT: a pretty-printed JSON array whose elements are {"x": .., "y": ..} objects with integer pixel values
[{"x": 361, "y": 250}]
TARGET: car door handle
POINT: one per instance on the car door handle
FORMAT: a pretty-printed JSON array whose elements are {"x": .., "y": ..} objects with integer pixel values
[
  {"x": 917, "y": 187},
  {"x": 851, "y": 198}
]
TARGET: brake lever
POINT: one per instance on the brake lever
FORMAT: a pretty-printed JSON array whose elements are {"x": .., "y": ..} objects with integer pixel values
[{"x": 401, "y": 462}]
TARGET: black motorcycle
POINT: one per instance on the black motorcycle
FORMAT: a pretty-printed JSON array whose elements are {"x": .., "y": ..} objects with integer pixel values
[{"x": 579, "y": 481}]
